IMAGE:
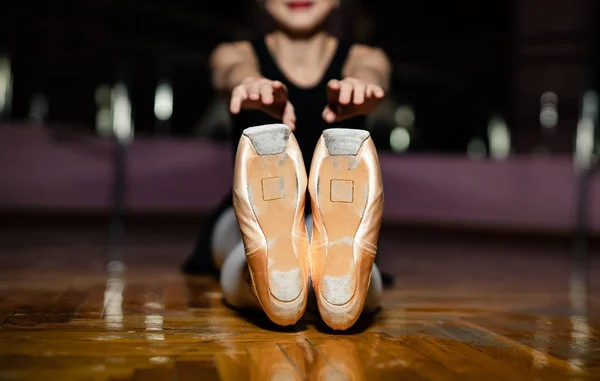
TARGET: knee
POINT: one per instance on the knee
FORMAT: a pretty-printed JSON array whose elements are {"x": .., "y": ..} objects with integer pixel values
[
  {"x": 375, "y": 290},
  {"x": 235, "y": 289},
  {"x": 224, "y": 238}
]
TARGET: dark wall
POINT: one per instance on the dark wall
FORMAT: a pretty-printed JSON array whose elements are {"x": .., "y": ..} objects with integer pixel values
[
  {"x": 551, "y": 52},
  {"x": 455, "y": 63}
]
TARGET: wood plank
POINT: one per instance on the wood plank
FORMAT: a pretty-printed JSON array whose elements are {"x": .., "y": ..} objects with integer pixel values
[{"x": 474, "y": 322}]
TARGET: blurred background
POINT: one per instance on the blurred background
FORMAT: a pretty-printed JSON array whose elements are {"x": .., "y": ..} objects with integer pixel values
[
  {"x": 478, "y": 131},
  {"x": 487, "y": 141}
]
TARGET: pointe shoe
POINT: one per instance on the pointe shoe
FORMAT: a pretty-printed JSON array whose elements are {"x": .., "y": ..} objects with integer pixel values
[
  {"x": 269, "y": 194},
  {"x": 346, "y": 193}
]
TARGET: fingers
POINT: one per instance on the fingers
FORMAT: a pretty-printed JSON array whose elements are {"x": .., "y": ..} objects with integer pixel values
[
  {"x": 328, "y": 115},
  {"x": 272, "y": 91},
  {"x": 334, "y": 84},
  {"x": 237, "y": 97},
  {"x": 333, "y": 92},
  {"x": 345, "y": 98},
  {"x": 289, "y": 116},
  {"x": 266, "y": 94},
  {"x": 378, "y": 92},
  {"x": 346, "y": 89},
  {"x": 350, "y": 97},
  {"x": 253, "y": 94},
  {"x": 352, "y": 90},
  {"x": 374, "y": 91},
  {"x": 359, "y": 93},
  {"x": 253, "y": 89},
  {"x": 369, "y": 91},
  {"x": 276, "y": 85},
  {"x": 264, "y": 90},
  {"x": 279, "y": 91}
]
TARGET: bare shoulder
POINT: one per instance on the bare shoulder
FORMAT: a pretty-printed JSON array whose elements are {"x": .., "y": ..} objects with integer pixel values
[{"x": 232, "y": 52}]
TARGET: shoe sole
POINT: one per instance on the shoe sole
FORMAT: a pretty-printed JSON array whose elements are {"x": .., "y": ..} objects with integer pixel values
[
  {"x": 273, "y": 194},
  {"x": 342, "y": 198}
]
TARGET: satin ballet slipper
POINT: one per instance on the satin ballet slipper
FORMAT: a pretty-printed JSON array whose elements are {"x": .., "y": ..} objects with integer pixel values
[
  {"x": 346, "y": 194},
  {"x": 269, "y": 193}
]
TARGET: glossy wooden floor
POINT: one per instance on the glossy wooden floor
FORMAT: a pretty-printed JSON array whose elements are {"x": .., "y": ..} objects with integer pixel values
[{"x": 465, "y": 311}]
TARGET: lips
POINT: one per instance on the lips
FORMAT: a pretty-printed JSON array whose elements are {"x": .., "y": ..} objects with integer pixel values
[{"x": 299, "y": 5}]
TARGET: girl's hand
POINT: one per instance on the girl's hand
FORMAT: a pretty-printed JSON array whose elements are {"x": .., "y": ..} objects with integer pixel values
[
  {"x": 350, "y": 97},
  {"x": 263, "y": 94}
]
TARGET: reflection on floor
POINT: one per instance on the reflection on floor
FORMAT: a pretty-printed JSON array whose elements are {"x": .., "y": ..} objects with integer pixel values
[{"x": 465, "y": 311}]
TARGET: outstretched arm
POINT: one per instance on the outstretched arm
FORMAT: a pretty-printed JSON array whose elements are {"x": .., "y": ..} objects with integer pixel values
[
  {"x": 232, "y": 64},
  {"x": 236, "y": 74},
  {"x": 369, "y": 65},
  {"x": 366, "y": 75}
]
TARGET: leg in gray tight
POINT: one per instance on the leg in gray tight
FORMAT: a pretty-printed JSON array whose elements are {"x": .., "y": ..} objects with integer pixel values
[
  {"x": 225, "y": 237},
  {"x": 232, "y": 263}
]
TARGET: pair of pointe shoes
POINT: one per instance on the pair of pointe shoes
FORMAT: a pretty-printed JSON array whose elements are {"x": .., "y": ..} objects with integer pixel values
[{"x": 346, "y": 195}]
